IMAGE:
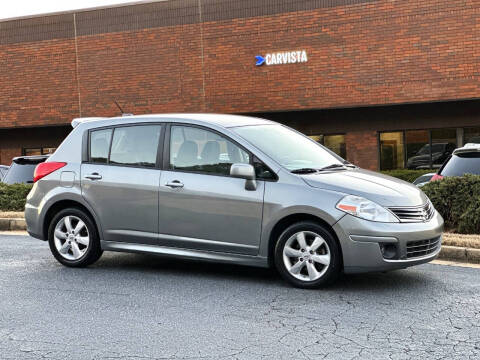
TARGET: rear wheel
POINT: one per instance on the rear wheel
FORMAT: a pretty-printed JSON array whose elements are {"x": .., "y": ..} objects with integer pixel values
[
  {"x": 307, "y": 255},
  {"x": 73, "y": 238}
]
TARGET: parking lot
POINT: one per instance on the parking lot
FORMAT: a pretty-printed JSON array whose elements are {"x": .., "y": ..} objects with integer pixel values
[{"x": 144, "y": 307}]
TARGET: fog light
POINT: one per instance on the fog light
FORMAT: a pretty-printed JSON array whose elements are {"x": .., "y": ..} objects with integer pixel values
[{"x": 389, "y": 251}]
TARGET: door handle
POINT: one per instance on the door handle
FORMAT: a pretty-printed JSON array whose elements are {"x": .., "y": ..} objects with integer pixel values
[
  {"x": 174, "y": 184},
  {"x": 94, "y": 176}
]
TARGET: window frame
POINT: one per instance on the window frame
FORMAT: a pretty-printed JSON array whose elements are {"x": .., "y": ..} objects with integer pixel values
[
  {"x": 166, "y": 151},
  {"x": 158, "y": 161}
]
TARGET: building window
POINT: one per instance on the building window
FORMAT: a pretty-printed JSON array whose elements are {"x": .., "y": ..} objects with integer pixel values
[
  {"x": 391, "y": 150},
  {"x": 471, "y": 135},
  {"x": 38, "y": 151},
  {"x": 336, "y": 143},
  {"x": 416, "y": 149}
]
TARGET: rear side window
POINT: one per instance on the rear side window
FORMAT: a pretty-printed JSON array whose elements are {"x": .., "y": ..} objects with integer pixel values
[
  {"x": 135, "y": 145},
  {"x": 461, "y": 164},
  {"x": 100, "y": 145}
]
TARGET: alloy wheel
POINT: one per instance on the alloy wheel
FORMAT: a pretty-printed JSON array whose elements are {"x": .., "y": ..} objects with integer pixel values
[
  {"x": 306, "y": 256},
  {"x": 71, "y": 237}
]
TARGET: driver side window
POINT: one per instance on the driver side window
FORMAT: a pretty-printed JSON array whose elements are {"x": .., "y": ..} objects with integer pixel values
[{"x": 198, "y": 150}]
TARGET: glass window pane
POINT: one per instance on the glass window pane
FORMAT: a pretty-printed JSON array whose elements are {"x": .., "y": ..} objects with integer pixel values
[
  {"x": 471, "y": 135},
  {"x": 48, "y": 150},
  {"x": 461, "y": 164},
  {"x": 417, "y": 149},
  {"x": 317, "y": 138},
  {"x": 135, "y": 145},
  {"x": 391, "y": 151},
  {"x": 336, "y": 143},
  {"x": 198, "y": 150},
  {"x": 32, "y": 151},
  {"x": 292, "y": 150},
  {"x": 99, "y": 145},
  {"x": 444, "y": 141}
]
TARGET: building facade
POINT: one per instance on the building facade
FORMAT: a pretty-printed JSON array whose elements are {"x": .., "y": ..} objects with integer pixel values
[{"x": 385, "y": 83}]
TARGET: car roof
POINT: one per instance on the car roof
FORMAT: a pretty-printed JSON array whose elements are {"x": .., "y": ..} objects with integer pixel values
[
  {"x": 223, "y": 120},
  {"x": 468, "y": 148}
]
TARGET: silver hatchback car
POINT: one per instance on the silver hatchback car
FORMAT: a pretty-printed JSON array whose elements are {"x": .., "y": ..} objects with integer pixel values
[{"x": 225, "y": 188}]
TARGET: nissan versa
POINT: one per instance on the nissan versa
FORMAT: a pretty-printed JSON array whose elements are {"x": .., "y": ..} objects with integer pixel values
[{"x": 225, "y": 188}]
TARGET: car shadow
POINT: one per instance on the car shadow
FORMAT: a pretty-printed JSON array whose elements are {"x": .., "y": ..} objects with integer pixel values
[{"x": 140, "y": 263}]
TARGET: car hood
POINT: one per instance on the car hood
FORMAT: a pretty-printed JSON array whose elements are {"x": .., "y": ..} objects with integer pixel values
[{"x": 382, "y": 189}]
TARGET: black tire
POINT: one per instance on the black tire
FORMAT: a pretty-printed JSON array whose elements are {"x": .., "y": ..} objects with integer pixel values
[
  {"x": 93, "y": 252},
  {"x": 332, "y": 271}
]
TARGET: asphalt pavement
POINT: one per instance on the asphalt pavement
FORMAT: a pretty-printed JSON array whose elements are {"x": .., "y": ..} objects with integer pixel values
[{"x": 130, "y": 306}]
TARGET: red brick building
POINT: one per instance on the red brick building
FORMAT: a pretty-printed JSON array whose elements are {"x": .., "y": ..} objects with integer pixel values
[{"x": 386, "y": 83}]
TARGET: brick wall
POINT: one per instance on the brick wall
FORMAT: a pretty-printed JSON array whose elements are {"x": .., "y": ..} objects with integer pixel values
[{"x": 160, "y": 57}]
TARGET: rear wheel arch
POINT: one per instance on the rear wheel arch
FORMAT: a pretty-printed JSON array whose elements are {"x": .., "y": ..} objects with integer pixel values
[
  {"x": 289, "y": 220},
  {"x": 64, "y": 204}
]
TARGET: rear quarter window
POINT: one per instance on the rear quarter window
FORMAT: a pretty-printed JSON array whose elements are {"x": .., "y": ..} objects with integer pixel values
[{"x": 461, "y": 164}]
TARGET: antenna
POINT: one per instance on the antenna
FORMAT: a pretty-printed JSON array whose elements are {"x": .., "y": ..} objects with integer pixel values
[{"x": 119, "y": 107}]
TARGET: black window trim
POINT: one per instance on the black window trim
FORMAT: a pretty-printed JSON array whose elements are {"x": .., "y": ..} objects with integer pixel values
[
  {"x": 166, "y": 151},
  {"x": 113, "y": 127}
]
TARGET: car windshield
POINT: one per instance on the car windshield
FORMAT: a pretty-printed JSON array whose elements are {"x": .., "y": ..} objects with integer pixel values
[{"x": 289, "y": 148}]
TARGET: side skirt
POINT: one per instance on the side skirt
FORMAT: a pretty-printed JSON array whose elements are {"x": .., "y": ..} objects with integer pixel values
[{"x": 185, "y": 253}]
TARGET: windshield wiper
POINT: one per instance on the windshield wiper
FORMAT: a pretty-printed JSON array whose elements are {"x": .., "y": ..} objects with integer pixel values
[
  {"x": 304, "y": 171},
  {"x": 348, "y": 164},
  {"x": 332, "y": 166}
]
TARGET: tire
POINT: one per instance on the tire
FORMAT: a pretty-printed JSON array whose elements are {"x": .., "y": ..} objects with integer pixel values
[
  {"x": 316, "y": 264},
  {"x": 78, "y": 252}
]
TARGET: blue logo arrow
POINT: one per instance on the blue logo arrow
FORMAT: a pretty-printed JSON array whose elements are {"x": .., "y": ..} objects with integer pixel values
[{"x": 260, "y": 60}]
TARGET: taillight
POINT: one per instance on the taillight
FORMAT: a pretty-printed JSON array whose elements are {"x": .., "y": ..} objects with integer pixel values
[
  {"x": 45, "y": 168},
  {"x": 436, "y": 177}
]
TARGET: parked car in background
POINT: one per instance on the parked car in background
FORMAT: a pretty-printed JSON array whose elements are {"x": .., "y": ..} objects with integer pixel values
[
  {"x": 439, "y": 153},
  {"x": 424, "y": 179},
  {"x": 22, "y": 169},
  {"x": 228, "y": 189},
  {"x": 465, "y": 160},
  {"x": 3, "y": 171}
]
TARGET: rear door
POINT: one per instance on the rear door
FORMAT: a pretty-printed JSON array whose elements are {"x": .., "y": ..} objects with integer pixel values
[{"x": 120, "y": 181}]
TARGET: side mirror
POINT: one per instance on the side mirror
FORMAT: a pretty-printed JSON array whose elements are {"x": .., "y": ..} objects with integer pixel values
[{"x": 247, "y": 172}]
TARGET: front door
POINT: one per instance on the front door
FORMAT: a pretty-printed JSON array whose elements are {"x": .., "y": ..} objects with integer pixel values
[
  {"x": 120, "y": 182},
  {"x": 200, "y": 205}
]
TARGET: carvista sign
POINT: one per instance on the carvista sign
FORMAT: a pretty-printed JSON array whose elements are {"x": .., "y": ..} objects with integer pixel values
[{"x": 282, "y": 58}]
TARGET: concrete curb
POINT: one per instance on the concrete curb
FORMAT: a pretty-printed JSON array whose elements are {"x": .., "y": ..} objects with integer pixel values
[
  {"x": 14, "y": 224},
  {"x": 461, "y": 254}
]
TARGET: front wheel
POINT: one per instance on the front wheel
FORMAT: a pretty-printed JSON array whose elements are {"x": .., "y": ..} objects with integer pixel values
[
  {"x": 307, "y": 255},
  {"x": 73, "y": 238}
]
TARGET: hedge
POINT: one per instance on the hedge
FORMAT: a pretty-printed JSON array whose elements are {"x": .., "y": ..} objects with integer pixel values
[
  {"x": 457, "y": 199},
  {"x": 12, "y": 197},
  {"x": 407, "y": 175}
]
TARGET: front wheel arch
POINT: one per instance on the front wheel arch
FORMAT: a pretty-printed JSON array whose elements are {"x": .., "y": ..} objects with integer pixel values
[{"x": 289, "y": 220}]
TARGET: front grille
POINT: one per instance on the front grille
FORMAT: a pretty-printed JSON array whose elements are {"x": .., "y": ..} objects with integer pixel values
[
  {"x": 422, "y": 247},
  {"x": 414, "y": 214}
]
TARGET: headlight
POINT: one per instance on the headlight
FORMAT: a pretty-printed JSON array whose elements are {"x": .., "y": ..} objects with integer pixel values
[{"x": 365, "y": 209}]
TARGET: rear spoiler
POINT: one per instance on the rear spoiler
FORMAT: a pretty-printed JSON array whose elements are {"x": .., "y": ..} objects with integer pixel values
[
  {"x": 23, "y": 160},
  {"x": 78, "y": 121}
]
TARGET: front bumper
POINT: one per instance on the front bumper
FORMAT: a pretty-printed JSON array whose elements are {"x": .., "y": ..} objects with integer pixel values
[{"x": 360, "y": 241}]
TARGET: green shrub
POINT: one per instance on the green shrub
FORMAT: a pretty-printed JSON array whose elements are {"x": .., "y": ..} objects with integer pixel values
[
  {"x": 13, "y": 197},
  {"x": 457, "y": 199},
  {"x": 407, "y": 175}
]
